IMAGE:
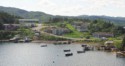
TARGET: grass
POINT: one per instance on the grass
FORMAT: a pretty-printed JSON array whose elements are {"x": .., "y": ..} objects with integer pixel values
[
  {"x": 118, "y": 43},
  {"x": 74, "y": 33}
]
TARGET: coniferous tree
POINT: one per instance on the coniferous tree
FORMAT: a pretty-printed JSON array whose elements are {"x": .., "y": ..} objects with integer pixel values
[
  {"x": 123, "y": 44},
  {"x": 1, "y": 26}
]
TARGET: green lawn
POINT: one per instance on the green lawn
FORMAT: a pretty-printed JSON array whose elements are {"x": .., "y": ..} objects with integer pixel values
[{"x": 75, "y": 33}]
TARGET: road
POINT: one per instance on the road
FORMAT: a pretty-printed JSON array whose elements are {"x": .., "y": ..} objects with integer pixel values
[{"x": 40, "y": 26}]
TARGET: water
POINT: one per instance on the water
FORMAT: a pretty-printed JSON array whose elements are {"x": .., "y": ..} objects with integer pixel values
[{"x": 31, "y": 54}]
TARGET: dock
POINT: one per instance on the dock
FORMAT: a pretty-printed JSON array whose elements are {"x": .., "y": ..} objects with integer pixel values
[{"x": 120, "y": 54}]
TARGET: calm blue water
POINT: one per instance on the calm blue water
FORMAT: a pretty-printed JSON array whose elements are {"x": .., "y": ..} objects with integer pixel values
[{"x": 31, "y": 54}]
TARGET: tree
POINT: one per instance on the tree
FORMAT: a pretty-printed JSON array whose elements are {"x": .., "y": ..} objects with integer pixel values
[
  {"x": 7, "y": 18},
  {"x": 1, "y": 26},
  {"x": 100, "y": 26},
  {"x": 123, "y": 44},
  {"x": 25, "y": 32}
]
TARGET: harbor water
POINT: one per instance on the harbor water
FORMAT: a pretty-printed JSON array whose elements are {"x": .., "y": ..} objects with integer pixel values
[{"x": 32, "y": 54}]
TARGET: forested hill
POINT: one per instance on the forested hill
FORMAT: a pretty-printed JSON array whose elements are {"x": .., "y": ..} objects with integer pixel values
[
  {"x": 45, "y": 17},
  {"x": 26, "y": 14},
  {"x": 116, "y": 20},
  {"x": 6, "y": 18}
]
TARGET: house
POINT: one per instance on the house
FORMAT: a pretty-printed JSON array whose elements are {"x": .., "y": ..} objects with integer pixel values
[
  {"x": 28, "y": 22},
  {"x": 80, "y": 26},
  {"x": 11, "y": 26},
  {"x": 102, "y": 34},
  {"x": 56, "y": 30},
  {"x": 109, "y": 45}
]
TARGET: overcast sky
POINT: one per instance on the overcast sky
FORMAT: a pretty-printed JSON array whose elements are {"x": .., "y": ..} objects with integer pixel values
[{"x": 70, "y": 7}]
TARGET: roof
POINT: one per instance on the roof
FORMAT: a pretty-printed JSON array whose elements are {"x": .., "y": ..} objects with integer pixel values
[
  {"x": 102, "y": 33},
  {"x": 107, "y": 42},
  {"x": 28, "y": 19},
  {"x": 11, "y": 24}
]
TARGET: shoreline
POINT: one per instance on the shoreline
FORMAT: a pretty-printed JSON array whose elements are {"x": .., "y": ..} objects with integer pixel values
[{"x": 52, "y": 42}]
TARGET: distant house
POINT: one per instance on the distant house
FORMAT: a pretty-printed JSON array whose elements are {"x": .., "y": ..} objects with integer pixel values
[
  {"x": 11, "y": 26},
  {"x": 56, "y": 31},
  {"x": 80, "y": 26},
  {"x": 28, "y": 22},
  {"x": 102, "y": 34},
  {"x": 109, "y": 45}
]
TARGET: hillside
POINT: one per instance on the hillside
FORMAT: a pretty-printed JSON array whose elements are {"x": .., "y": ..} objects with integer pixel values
[
  {"x": 25, "y": 14},
  {"x": 116, "y": 20},
  {"x": 45, "y": 17},
  {"x": 6, "y": 18}
]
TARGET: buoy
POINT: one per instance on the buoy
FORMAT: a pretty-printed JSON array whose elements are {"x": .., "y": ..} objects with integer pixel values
[{"x": 53, "y": 62}]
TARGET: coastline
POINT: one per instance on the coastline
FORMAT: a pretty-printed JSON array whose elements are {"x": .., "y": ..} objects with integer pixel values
[{"x": 52, "y": 42}]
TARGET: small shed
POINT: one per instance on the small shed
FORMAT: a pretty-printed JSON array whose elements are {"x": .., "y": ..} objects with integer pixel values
[{"x": 109, "y": 43}]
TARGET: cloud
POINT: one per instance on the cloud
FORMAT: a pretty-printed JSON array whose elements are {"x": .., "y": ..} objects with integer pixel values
[
  {"x": 71, "y": 7},
  {"x": 77, "y": 7}
]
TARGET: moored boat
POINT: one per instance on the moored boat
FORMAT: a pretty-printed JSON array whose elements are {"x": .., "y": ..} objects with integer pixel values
[
  {"x": 80, "y": 51},
  {"x": 68, "y": 54},
  {"x": 43, "y": 45},
  {"x": 67, "y": 50}
]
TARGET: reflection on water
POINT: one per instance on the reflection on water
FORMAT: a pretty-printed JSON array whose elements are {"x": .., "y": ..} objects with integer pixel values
[{"x": 29, "y": 54}]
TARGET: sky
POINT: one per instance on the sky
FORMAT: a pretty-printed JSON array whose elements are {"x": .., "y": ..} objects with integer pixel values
[{"x": 70, "y": 7}]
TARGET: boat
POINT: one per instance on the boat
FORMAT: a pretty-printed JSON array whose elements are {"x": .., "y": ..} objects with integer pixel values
[
  {"x": 83, "y": 45},
  {"x": 26, "y": 39},
  {"x": 15, "y": 40},
  {"x": 67, "y": 50},
  {"x": 80, "y": 51},
  {"x": 87, "y": 48},
  {"x": 43, "y": 45},
  {"x": 68, "y": 54}
]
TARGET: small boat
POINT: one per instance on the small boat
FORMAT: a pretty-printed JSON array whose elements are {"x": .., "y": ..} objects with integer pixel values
[
  {"x": 69, "y": 54},
  {"x": 80, "y": 51},
  {"x": 43, "y": 45},
  {"x": 83, "y": 45},
  {"x": 67, "y": 50},
  {"x": 53, "y": 62},
  {"x": 87, "y": 48},
  {"x": 15, "y": 40}
]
